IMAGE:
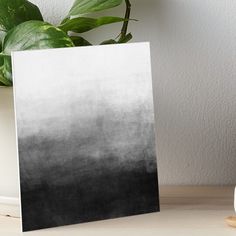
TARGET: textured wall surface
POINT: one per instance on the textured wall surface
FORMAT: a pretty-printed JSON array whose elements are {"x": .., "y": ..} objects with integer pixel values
[{"x": 194, "y": 71}]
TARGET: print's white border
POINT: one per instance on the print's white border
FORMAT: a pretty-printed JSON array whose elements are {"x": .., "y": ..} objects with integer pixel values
[
  {"x": 155, "y": 118},
  {"x": 17, "y": 149}
]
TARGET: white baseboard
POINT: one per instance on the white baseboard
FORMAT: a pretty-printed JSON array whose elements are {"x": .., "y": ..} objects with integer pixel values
[
  {"x": 9, "y": 206},
  {"x": 9, "y": 200}
]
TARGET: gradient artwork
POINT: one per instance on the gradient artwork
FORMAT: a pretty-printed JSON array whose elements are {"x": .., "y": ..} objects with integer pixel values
[{"x": 86, "y": 139}]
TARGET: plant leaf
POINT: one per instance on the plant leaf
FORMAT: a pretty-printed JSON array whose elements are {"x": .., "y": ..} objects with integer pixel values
[
  {"x": 110, "y": 41},
  {"x": 2, "y": 35},
  {"x": 31, "y": 35},
  {"x": 1, "y": 84},
  {"x": 1, "y": 58},
  {"x": 126, "y": 39},
  {"x": 1, "y": 61},
  {"x": 3, "y": 78},
  {"x": 81, "y": 7},
  {"x": 5, "y": 82},
  {"x": 35, "y": 35},
  {"x": 6, "y": 71},
  {"x": 84, "y": 24},
  {"x": 79, "y": 41},
  {"x": 15, "y": 12}
]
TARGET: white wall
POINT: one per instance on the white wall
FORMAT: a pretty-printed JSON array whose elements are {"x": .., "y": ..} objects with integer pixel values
[{"x": 194, "y": 69}]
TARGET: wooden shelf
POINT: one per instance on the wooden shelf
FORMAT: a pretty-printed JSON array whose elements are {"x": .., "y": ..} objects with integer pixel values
[{"x": 184, "y": 211}]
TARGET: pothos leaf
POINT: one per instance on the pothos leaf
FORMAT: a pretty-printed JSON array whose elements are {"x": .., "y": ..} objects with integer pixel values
[
  {"x": 1, "y": 58},
  {"x": 31, "y": 35},
  {"x": 109, "y": 41},
  {"x": 1, "y": 61},
  {"x": 5, "y": 71},
  {"x": 15, "y": 12},
  {"x": 126, "y": 39},
  {"x": 79, "y": 41},
  {"x": 2, "y": 35},
  {"x": 35, "y": 35},
  {"x": 1, "y": 84},
  {"x": 84, "y": 24},
  {"x": 81, "y": 7}
]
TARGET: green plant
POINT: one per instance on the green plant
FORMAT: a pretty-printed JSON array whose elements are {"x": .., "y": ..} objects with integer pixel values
[{"x": 22, "y": 28}]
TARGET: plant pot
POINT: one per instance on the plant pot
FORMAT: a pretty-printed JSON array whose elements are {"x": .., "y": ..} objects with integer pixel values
[{"x": 8, "y": 159}]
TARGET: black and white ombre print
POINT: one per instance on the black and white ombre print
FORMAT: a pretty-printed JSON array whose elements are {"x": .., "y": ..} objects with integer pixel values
[{"x": 86, "y": 139}]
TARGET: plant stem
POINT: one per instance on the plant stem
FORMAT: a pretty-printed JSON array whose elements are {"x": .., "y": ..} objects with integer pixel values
[{"x": 126, "y": 23}]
